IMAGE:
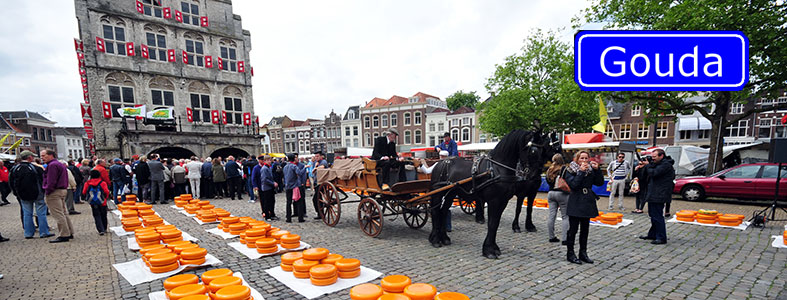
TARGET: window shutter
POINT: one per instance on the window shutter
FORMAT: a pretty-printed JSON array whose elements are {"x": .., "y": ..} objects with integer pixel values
[
  {"x": 214, "y": 116},
  {"x": 247, "y": 119},
  {"x": 252, "y": 71},
  {"x": 167, "y": 13},
  {"x": 140, "y": 8},
  {"x": 107, "y": 109},
  {"x": 189, "y": 114},
  {"x": 224, "y": 117},
  {"x": 209, "y": 62},
  {"x": 203, "y": 21},
  {"x": 178, "y": 16},
  {"x": 185, "y": 57},
  {"x": 171, "y": 55},
  {"x": 144, "y": 49},
  {"x": 241, "y": 68},
  {"x": 100, "y": 44},
  {"x": 130, "y": 49},
  {"x": 221, "y": 64}
]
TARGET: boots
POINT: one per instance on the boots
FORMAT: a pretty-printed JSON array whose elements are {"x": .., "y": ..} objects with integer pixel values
[
  {"x": 583, "y": 256},
  {"x": 571, "y": 257}
]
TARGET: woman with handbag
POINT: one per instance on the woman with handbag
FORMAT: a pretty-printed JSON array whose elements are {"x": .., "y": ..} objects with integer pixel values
[
  {"x": 581, "y": 175},
  {"x": 557, "y": 197}
]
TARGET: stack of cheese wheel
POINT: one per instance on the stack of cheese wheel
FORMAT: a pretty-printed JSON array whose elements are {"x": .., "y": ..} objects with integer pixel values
[
  {"x": 210, "y": 275},
  {"x": 266, "y": 245},
  {"x": 289, "y": 258},
  {"x": 163, "y": 262},
  {"x": 290, "y": 241},
  {"x": 250, "y": 236},
  {"x": 395, "y": 284},
  {"x": 784, "y": 236},
  {"x": 596, "y": 219},
  {"x": 131, "y": 198},
  {"x": 150, "y": 253},
  {"x": 619, "y": 216},
  {"x": 233, "y": 292},
  {"x": 366, "y": 291},
  {"x": 301, "y": 267},
  {"x": 146, "y": 212},
  {"x": 152, "y": 221},
  {"x": 179, "y": 280},
  {"x": 203, "y": 203},
  {"x": 186, "y": 290},
  {"x": 279, "y": 233},
  {"x": 685, "y": 215},
  {"x": 149, "y": 248},
  {"x": 186, "y": 197},
  {"x": 331, "y": 259},
  {"x": 191, "y": 208},
  {"x": 608, "y": 218},
  {"x": 397, "y": 296},
  {"x": 131, "y": 224},
  {"x": 420, "y": 291},
  {"x": 237, "y": 228},
  {"x": 707, "y": 216},
  {"x": 206, "y": 215},
  {"x": 541, "y": 203},
  {"x": 221, "y": 213},
  {"x": 271, "y": 231},
  {"x": 323, "y": 274},
  {"x": 226, "y": 222},
  {"x": 180, "y": 202},
  {"x": 170, "y": 235},
  {"x": 222, "y": 282},
  {"x": 348, "y": 267},
  {"x": 451, "y": 296},
  {"x": 731, "y": 220},
  {"x": 179, "y": 247},
  {"x": 147, "y": 237},
  {"x": 193, "y": 256}
]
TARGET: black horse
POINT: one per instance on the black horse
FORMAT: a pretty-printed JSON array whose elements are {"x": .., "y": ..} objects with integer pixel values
[{"x": 517, "y": 157}]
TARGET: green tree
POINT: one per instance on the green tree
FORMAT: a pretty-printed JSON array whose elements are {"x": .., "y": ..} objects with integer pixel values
[
  {"x": 460, "y": 98},
  {"x": 535, "y": 89},
  {"x": 764, "y": 22}
]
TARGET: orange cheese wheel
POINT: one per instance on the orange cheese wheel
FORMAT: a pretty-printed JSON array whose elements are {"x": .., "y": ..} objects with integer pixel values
[
  {"x": 303, "y": 265},
  {"x": 187, "y": 290},
  {"x": 193, "y": 253},
  {"x": 730, "y": 223},
  {"x": 394, "y": 283},
  {"x": 128, "y": 213},
  {"x": 146, "y": 244},
  {"x": 222, "y": 214},
  {"x": 148, "y": 237},
  {"x": 164, "y": 268},
  {"x": 155, "y": 252},
  {"x": 739, "y": 217},
  {"x": 180, "y": 248},
  {"x": 608, "y": 217},
  {"x": 230, "y": 220},
  {"x": 144, "y": 231},
  {"x": 394, "y": 296},
  {"x": 350, "y": 274},
  {"x": 610, "y": 222},
  {"x": 236, "y": 232},
  {"x": 290, "y": 238},
  {"x": 685, "y": 214},
  {"x": 208, "y": 206},
  {"x": 169, "y": 227},
  {"x": 255, "y": 232},
  {"x": 726, "y": 218},
  {"x": 267, "y": 250},
  {"x": 178, "y": 243},
  {"x": 685, "y": 219},
  {"x": 253, "y": 239},
  {"x": 323, "y": 271},
  {"x": 266, "y": 243},
  {"x": 237, "y": 226},
  {"x": 221, "y": 282},
  {"x": 225, "y": 229},
  {"x": 420, "y": 291},
  {"x": 315, "y": 254},
  {"x": 271, "y": 231},
  {"x": 163, "y": 259},
  {"x": 262, "y": 225},
  {"x": 172, "y": 240},
  {"x": 286, "y": 267},
  {"x": 349, "y": 264},
  {"x": 151, "y": 247},
  {"x": 706, "y": 217},
  {"x": 196, "y": 297},
  {"x": 706, "y": 221},
  {"x": 171, "y": 234},
  {"x": 278, "y": 234},
  {"x": 208, "y": 276},
  {"x": 366, "y": 291},
  {"x": 290, "y": 257},
  {"x": 208, "y": 219},
  {"x": 234, "y": 292},
  {"x": 147, "y": 212},
  {"x": 451, "y": 296},
  {"x": 330, "y": 259},
  {"x": 323, "y": 282},
  {"x": 178, "y": 280},
  {"x": 593, "y": 219},
  {"x": 299, "y": 274},
  {"x": 290, "y": 246}
]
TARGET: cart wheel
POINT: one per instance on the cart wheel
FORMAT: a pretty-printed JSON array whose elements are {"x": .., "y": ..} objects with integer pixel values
[
  {"x": 330, "y": 205},
  {"x": 417, "y": 216},
  {"x": 467, "y": 206},
  {"x": 370, "y": 217}
]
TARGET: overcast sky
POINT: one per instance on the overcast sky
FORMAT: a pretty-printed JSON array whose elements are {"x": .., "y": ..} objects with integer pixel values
[{"x": 309, "y": 56}]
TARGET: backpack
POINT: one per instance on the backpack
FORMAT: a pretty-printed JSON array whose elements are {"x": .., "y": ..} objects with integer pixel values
[
  {"x": 27, "y": 183},
  {"x": 95, "y": 196}
]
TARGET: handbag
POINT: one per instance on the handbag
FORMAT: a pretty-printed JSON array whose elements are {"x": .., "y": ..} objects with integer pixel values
[
  {"x": 561, "y": 184},
  {"x": 296, "y": 194}
]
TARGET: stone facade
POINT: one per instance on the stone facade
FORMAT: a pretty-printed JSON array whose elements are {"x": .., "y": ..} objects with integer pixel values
[
  {"x": 406, "y": 115},
  {"x": 116, "y": 79}
]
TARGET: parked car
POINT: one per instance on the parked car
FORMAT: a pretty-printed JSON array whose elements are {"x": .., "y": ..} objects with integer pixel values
[{"x": 747, "y": 181}]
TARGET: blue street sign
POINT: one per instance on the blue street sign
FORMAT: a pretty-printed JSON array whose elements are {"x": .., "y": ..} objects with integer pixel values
[{"x": 613, "y": 60}]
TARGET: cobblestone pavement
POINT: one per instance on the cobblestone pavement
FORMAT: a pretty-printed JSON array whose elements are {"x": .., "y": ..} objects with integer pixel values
[{"x": 698, "y": 262}]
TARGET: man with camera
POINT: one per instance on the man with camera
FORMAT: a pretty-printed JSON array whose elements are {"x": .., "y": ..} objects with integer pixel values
[
  {"x": 641, "y": 177},
  {"x": 660, "y": 184}
]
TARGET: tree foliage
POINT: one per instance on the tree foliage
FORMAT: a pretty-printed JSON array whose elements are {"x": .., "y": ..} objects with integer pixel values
[
  {"x": 764, "y": 22},
  {"x": 535, "y": 89},
  {"x": 460, "y": 98}
]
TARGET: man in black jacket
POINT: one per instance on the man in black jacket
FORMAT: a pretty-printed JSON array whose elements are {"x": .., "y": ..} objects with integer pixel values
[
  {"x": 385, "y": 154},
  {"x": 660, "y": 183},
  {"x": 142, "y": 170}
]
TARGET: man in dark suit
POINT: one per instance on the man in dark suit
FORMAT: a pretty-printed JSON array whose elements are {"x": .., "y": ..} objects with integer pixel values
[{"x": 385, "y": 154}]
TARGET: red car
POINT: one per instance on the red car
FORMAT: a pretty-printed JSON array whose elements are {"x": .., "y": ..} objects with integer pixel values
[{"x": 747, "y": 181}]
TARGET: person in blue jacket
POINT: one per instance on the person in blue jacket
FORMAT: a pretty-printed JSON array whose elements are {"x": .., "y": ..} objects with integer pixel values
[
  {"x": 265, "y": 186},
  {"x": 292, "y": 181},
  {"x": 448, "y": 145}
]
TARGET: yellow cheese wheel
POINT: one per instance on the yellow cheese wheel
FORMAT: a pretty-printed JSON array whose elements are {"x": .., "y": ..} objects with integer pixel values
[
  {"x": 729, "y": 223},
  {"x": 267, "y": 250},
  {"x": 164, "y": 268},
  {"x": 162, "y": 228},
  {"x": 286, "y": 267},
  {"x": 151, "y": 247},
  {"x": 290, "y": 257},
  {"x": 739, "y": 217},
  {"x": 155, "y": 252},
  {"x": 196, "y": 297},
  {"x": 349, "y": 264},
  {"x": 366, "y": 291},
  {"x": 323, "y": 282},
  {"x": 420, "y": 291},
  {"x": 180, "y": 248},
  {"x": 266, "y": 243},
  {"x": 394, "y": 296},
  {"x": 706, "y": 221},
  {"x": 178, "y": 280},
  {"x": 278, "y": 234},
  {"x": 172, "y": 240},
  {"x": 255, "y": 232},
  {"x": 237, "y": 226},
  {"x": 685, "y": 219},
  {"x": 350, "y": 274},
  {"x": 271, "y": 231},
  {"x": 171, "y": 234},
  {"x": 234, "y": 292},
  {"x": 684, "y": 214},
  {"x": 323, "y": 271},
  {"x": 315, "y": 253},
  {"x": 290, "y": 238},
  {"x": 393, "y": 283},
  {"x": 303, "y": 265},
  {"x": 163, "y": 259},
  {"x": 221, "y": 282},
  {"x": 299, "y": 274},
  {"x": 193, "y": 253},
  {"x": 187, "y": 290},
  {"x": 253, "y": 240},
  {"x": 147, "y": 212},
  {"x": 230, "y": 220},
  {"x": 451, "y": 296},
  {"x": 208, "y": 206},
  {"x": 208, "y": 276},
  {"x": 290, "y": 246},
  {"x": 726, "y": 218},
  {"x": 178, "y": 243}
]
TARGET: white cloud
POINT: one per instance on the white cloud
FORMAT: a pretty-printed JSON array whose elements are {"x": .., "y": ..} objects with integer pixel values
[{"x": 309, "y": 56}]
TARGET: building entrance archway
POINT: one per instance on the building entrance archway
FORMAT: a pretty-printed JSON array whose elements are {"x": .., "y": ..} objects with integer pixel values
[
  {"x": 173, "y": 152},
  {"x": 225, "y": 152}
]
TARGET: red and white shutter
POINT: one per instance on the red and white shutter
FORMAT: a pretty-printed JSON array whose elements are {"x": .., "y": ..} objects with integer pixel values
[
  {"x": 247, "y": 119},
  {"x": 140, "y": 8},
  {"x": 107, "y": 108},
  {"x": 178, "y": 16},
  {"x": 144, "y": 49},
  {"x": 130, "y": 49},
  {"x": 167, "y": 13},
  {"x": 224, "y": 117},
  {"x": 252, "y": 71},
  {"x": 100, "y": 44},
  {"x": 203, "y": 21},
  {"x": 241, "y": 68},
  {"x": 76, "y": 45},
  {"x": 214, "y": 116},
  {"x": 221, "y": 64},
  {"x": 208, "y": 61},
  {"x": 189, "y": 114},
  {"x": 185, "y": 57},
  {"x": 171, "y": 55}
]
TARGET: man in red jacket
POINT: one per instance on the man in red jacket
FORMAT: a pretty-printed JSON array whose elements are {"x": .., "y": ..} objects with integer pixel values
[{"x": 5, "y": 189}]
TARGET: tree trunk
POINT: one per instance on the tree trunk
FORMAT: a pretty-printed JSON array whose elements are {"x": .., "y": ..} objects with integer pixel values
[{"x": 716, "y": 153}]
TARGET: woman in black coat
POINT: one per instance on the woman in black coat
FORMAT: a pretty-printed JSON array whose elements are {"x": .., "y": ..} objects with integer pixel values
[{"x": 582, "y": 175}]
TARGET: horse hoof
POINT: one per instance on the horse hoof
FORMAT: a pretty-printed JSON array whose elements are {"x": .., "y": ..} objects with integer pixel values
[
  {"x": 497, "y": 252},
  {"x": 436, "y": 245},
  {"x": 531, "y": 229},
  {"x": 517, "y": 230},
  {"x": 446, "y": 242},
  {"x": 480, "y": 221},
  {"x": 490, "y": 255}
]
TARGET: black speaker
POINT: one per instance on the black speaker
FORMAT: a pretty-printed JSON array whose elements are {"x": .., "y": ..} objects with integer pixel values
[{"x": 778, "y": 151}]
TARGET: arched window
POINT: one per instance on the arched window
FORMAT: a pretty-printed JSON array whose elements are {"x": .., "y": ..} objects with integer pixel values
[
  {"x": 156, "y": 40},
  {"x": 417, "y": 118},
  {"x": 190, "y": 12},
  {"x": 199, "y": 95},
  {"x": 455, "y": 134},
  {"x": 229, "y": 55},
  {"x": 407, "y": 137},
  {"x": 406, "y": 119},
  {"x": 161, "y": 92},
  {"x": 368, "y": 138},
  {"x": 375, "y": 121},
  {"x": 466, "y": 134},
  {"x": 114, "y": 33},
  {"x": 120, "y": 89},
  {"x": 384, "y": 119},
  {"x": 233, "y": 105},
  {"x": 393, "y": 120},
  {"x": 418, "y": 137},
  {"x": 152, "y": 8},
  {"x": 195, "y": 48},
  {"x": 366, "y": 122}
]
